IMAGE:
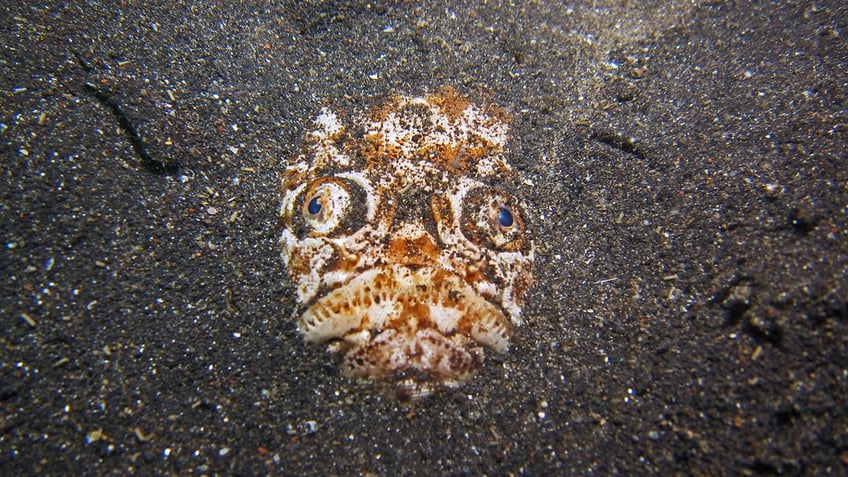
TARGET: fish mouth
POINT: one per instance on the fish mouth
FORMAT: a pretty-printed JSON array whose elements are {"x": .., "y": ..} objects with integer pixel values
[{"x": 422, "y": 326}]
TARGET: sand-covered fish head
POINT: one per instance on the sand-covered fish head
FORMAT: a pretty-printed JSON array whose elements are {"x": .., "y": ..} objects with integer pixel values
[{"x": 409, "y": 253}]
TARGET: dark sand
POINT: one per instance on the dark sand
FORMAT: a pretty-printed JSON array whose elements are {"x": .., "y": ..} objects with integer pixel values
[{"x": 689, "y": 163}]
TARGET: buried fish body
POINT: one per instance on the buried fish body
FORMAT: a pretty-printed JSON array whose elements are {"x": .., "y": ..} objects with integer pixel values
[{"x": 408, "y": 255}]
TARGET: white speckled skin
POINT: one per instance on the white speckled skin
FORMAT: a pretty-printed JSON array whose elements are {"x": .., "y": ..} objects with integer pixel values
[{"x": 407, "y": 259}]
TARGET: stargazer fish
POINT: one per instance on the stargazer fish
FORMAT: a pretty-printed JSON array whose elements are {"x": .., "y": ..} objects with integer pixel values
[{"x": 409, "y": 254}]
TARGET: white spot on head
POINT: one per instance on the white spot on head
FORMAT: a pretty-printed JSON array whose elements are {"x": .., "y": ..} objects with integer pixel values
[{"x": 327, "y": 126}]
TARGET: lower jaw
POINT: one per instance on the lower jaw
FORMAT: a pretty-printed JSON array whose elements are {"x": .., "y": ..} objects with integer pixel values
[
  {"x": 416, "y": 330},
  {"x": 414, "y": 363}
]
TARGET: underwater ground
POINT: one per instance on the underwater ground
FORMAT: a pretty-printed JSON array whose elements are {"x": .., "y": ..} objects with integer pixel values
[{"x": 686, "y": 166}]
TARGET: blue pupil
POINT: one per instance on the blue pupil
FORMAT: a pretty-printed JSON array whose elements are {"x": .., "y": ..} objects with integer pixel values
[
  {"x": 314, "y": 206},
  {"x": 505, "y": 217}
]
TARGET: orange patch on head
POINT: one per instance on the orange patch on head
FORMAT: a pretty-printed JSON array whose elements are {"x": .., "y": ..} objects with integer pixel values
[
  {"x": 419, "y": 251},
  {"x": 375, "y": 149},
  {"x": 450, "y": 103}
]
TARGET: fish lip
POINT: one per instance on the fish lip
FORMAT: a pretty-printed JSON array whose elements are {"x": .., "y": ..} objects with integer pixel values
[{"x": 479, "y": 318}]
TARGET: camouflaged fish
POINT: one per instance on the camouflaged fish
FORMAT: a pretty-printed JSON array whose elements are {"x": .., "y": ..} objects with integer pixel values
[{"x": 408, "y": 256}]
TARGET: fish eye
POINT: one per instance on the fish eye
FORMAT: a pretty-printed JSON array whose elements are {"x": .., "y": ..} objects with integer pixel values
[
  {"x": 491, "y": 218},
  {"x": 314, "y": 206},
  {"x": 330, "y": 206},
  {"x": 505, "y": 217}
]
